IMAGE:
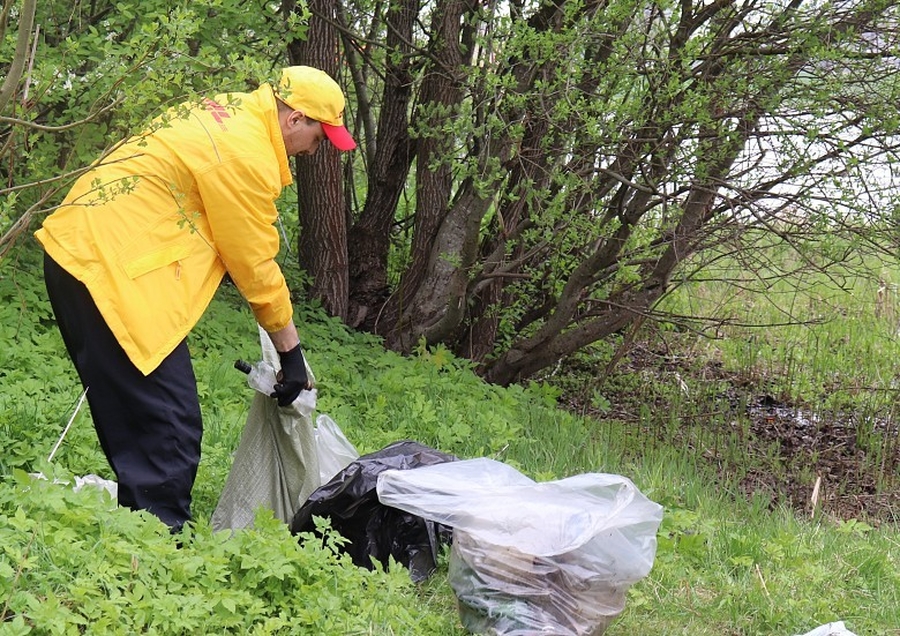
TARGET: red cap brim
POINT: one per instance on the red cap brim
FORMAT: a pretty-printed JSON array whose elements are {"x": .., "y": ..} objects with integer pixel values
[{"x": 339, "y": 137}]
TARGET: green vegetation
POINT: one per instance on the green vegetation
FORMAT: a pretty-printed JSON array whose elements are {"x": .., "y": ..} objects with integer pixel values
[
  {"x": 727, "y": 563},
  {"x": 589, "y": 150},
  {"x": 815, "y": 336}
]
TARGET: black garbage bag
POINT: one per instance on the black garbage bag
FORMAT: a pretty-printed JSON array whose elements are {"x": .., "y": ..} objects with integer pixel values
[{"x": 373, "y": 530}]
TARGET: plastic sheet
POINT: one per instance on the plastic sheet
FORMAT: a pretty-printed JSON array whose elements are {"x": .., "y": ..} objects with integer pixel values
[
  {"x": 831, "y": 629},
  {"x": 375, "y": 531},
  {"x": 333, "y": 448},
  {"x": 533, "y": 558},
  {"x": 95, "y": 481},
  {"x": 87, "y": 481}
]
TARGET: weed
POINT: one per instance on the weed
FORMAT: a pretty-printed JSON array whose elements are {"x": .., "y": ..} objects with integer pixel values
[{"x": 728, "y": 561}]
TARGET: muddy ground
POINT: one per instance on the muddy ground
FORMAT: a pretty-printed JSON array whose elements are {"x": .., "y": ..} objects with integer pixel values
[{"x": 817, "y": 463}]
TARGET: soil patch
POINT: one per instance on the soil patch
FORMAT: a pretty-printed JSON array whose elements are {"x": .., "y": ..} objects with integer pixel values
[
  {"x": 834, "y": 464},
  {"x": 849, "y": 472}
]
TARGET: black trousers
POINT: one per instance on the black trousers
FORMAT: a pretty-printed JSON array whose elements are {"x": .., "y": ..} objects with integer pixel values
[{"x": 149, "y": 426}]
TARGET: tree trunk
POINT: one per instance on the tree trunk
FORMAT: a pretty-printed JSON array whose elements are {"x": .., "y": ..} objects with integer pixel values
[
  {"x": 440, "y": 97},
  {"x": 394, "y": 152},
  {"x": 322, "y": 245}
]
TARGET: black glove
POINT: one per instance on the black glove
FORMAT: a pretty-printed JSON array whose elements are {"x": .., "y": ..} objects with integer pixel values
[{"x": 292, "y": 379}]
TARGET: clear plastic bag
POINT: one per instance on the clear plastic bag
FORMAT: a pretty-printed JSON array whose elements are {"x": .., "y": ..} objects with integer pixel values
[
  {"x": 533, "y": 558},
  {"x": 334, "y": 449}
]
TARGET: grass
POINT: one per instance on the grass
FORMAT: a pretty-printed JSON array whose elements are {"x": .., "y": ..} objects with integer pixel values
[
  {"x": 728, "y": 562},
  {"x": 827, "y": 338}
]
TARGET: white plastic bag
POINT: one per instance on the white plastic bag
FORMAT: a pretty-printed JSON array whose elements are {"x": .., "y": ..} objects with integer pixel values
[
  {"x": 95, "y": 481},
  {"x": 831, "y": 629},
  {"x": 89, "y": 480},
  {"x": 334, "y": 449},
  {"x": 533, "y": 558},
  {"x": 276, "y": 462}
]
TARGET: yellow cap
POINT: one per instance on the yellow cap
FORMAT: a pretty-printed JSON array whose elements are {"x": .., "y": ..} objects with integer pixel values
[{"x": 313, "y": 92}]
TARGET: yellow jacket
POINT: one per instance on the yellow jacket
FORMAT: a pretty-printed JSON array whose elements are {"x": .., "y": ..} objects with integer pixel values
[{"x": 152, "y": 228}]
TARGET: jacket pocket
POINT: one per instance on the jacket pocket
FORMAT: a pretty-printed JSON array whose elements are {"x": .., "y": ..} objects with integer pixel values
[{"x": 155, "y": 260}]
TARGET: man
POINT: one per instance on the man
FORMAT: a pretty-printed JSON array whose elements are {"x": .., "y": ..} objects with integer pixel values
[{"x": 134, "y": 255}]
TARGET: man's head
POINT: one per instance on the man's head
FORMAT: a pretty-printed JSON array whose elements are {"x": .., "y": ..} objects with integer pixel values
[{"x": 312, "y": 93}]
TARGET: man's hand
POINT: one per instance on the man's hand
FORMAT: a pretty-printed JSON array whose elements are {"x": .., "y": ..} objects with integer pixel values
[{"x": 292, "y": 378}]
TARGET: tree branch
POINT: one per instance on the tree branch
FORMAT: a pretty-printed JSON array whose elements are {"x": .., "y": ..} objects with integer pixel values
[{"x": 26, "y": 21}]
